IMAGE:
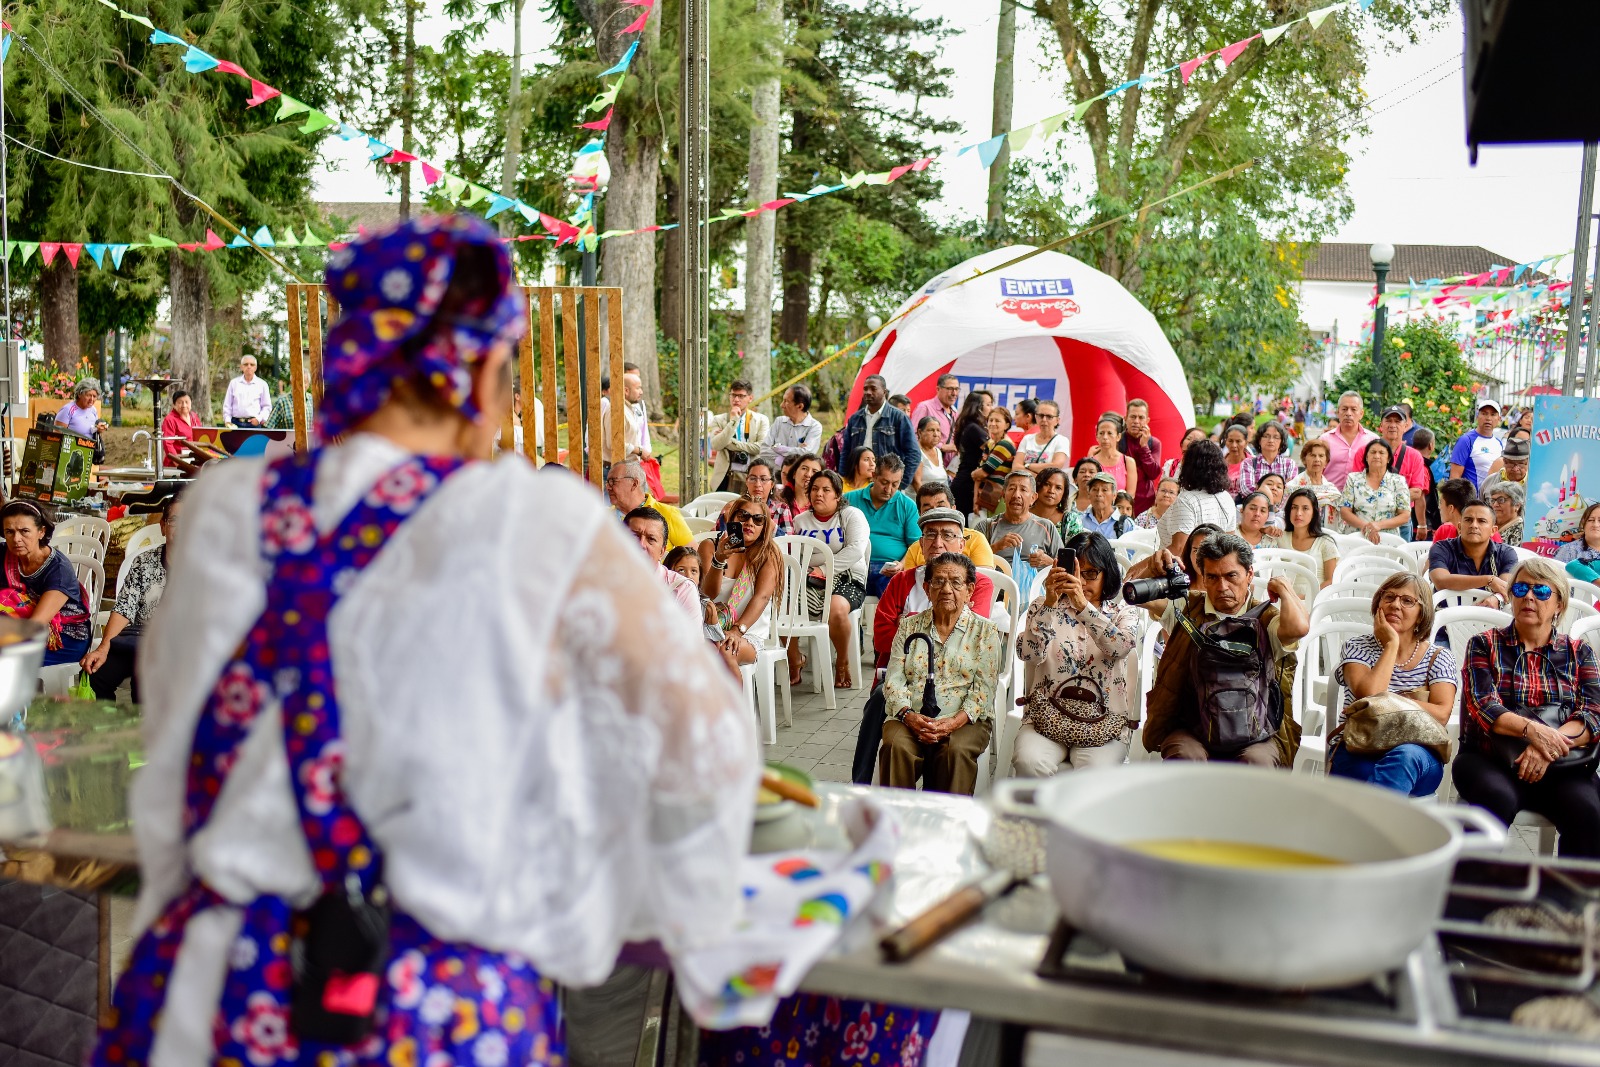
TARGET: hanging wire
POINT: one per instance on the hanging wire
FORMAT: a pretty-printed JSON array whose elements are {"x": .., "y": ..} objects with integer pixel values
[{"x": 74, "y": 163}]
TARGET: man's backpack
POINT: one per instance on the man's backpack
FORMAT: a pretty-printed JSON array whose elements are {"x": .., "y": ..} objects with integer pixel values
[{"x": 1235, "y": 681}]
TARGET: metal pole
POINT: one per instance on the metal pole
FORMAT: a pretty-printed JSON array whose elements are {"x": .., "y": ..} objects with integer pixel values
[
  {"x": 116, "y": 380},
  {"x": 694, "y": 170},
  {"x": 1580, "y": 266},
  {"x": 1378, "y": 322},
  {"x": 11, "y": 392},
  {"x": 1589, "y": 370}
]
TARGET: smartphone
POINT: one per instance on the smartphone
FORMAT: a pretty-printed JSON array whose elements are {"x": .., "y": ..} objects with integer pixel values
[{"x": 1067, "y": 560}]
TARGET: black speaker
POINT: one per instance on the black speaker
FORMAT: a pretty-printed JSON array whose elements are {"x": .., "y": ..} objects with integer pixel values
[{"x": 1530, "y": 71}]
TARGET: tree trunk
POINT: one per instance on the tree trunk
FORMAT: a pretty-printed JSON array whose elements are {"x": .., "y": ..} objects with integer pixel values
[
  {"x": 408, "y": 103},
  {"x": 1005, "y": 54},
  {"x": 511, "y": 161},
  {"x": 191, "y": 301},
  {"x": 796, "y": 319},
  {"x": 58, "y": 308},
  {"x": 633, "y": 149},
  {"x": 760, "y": 230}
]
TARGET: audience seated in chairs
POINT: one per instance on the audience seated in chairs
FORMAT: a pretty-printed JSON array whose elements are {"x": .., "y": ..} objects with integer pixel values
[
  {"x": 753, "y": 567},
  {"x": 1017, "y": 531},
  {"x": 40, "y": 583},
  {"x": 649, "y": 528},
  {"x": 1078, "y": 637},
  {"x": 1530, "y": 713},
  {"x": 962, "y": 653},
  {"x": 906, "y": 595},
  {"x": 1471, "y": 560},
  {"x": 1194, "y": 711},
  {"x": 891, "y": 518},
  {"x": 1399, "y": 656},
  {"x": 113, "y": 660}
]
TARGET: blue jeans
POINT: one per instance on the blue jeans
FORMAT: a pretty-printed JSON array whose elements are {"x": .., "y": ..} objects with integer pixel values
[
  {"x": 877, "y": 581},
  {"x": 1408, "y": 769},
  {"x": 71, "y": 651},
  {"x": 1405, "y": 532}
]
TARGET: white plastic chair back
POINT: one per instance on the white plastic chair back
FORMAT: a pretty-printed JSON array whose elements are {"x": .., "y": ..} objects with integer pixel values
[
  {"x": 86, "y": 526},
  {"x": 1367, "y": 550},
  {"x": 1461, "y": 598},
  {"x": 1460, "y": 624},
  {"x": 1130, "y": 549},
  {"x": 1305, "y": 581},
  {"x": 1418, "y": 551},
  {"x": 1363, "y": 586},
  {"x": 1576, "y": 612},
  {"x": 1318, "y": 697},
  {"x": 698, "y": 525},
  {"x": 92, "y": 575},
  {"x": 78, "y": 545},
  {"x": 1352, "y": 567},
  {"x": 1304, "y": 559},
  {"x": 707, "y": 505},
  {"x": 1342, "y": 608},
  {"x": 1007, "y": 613},
  {"x": 794, "y": 620},
  {"x": 1588, "y": 629},
  {"x": 144, "y": 537},
  {"x": 1587, "y": 592},
  {"x": 1392, "y": 540},
  {"x": 1525, "y": 553}
]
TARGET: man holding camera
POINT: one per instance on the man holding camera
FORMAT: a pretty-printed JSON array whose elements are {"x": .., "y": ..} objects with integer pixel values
[{"x": 1217, "y": 692}]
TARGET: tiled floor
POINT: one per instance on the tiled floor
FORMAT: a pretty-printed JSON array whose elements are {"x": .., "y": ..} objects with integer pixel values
[{"x": 821, "y": 742}]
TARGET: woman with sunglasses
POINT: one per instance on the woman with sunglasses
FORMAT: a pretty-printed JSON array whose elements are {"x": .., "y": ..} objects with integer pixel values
[
  {"x": 1530, "y": 712},
  {"x": 753, "y": 567},
  {"x": 1399, "y": 656}
]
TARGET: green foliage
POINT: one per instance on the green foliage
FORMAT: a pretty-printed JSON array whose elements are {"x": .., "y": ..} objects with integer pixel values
[{"x": 1423, "y": 365}]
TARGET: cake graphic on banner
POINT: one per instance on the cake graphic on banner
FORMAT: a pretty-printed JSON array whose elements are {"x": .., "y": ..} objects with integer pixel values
[
  {"x": 1561, "y": 471},
  {"x": 1561, "y": 520}
]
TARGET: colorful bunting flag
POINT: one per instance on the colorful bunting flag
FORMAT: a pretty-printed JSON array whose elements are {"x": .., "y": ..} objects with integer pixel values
[
  {"x": 263, "y": 238},
  {"x": 73, "y": 251},
  {"x": 27, "y": 248},
  {"x": 48, "y": 250},
  {"x": 315, "y": 121},
  {"x": 213, "y": 242},
  {"x": 157, "y": 241},
  {"x": 140, "y": 19},
  {"x": 600, "y": 124},
  {"x": 288, "y": 105},
  {"x": 225, "y": 67},
  {"x": 260, "y": 93},
  {"x": 430, "y": 173},
  {"x": 1320, "y": 15},
  {"x": 117, "y": 252},
  {"x": 622, "y": 64},
  {"x": 637, "y": 24},
  {"x": 97, "y": 253},
  {"x": 376, "y": 149},
  {"x": 1187, "y": 68},
  {"x": 1272, "y": 33},
  {"x": 162, "y": 37},
  {"x": 1233, "y": 51},
  {"x": 198, "y": 62},
  {"x": 397, "y": 156},
  {"x": 989, "y": 150}
]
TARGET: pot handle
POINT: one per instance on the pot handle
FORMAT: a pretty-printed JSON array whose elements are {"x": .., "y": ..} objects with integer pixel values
[
  {"x": 1017, "y": 797},
  {"x": 1491, "y": 832}
]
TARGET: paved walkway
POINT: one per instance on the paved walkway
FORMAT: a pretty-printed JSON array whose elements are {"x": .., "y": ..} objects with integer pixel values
[{"x": 821, "y": 742}]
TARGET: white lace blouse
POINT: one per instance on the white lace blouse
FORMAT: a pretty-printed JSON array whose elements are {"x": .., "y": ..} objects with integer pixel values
[{"x": 549, "y": 759}]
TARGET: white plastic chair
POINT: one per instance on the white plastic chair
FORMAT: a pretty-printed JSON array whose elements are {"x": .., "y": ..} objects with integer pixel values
[
  {"x": 1352, "y": 567},
  {"x": 707, "y": 505},
  {"x": 1007, "y": 613},
  {"x": 1577, "y": 611},
  {"x": 1460, "y": 624},
  {"x": 698, "y": 525},
  {"x": 1367, "y": 550},
  {"x": 1131, "y": 548},
  {"x": 1587, "y": 629},
  {"x": 57, "y": 679},
  {"x": 1318, "y": 697},
  {"x": 85, "y": 526},
  {"x": 1363, "y": 586},
  {"x": 795, "y": 623},
  {"x": 1461, "y": 598},
  {"x": 78, "y": 545},
  {"x": 144, "y": 537},
  {"x": 760, "y": 682},
  {"x": 1305, "y": 580},
  {"x": 1342, "y": 608},
  {"x": 1587, "y": 592},
  {"x": 92, "y": 574}
]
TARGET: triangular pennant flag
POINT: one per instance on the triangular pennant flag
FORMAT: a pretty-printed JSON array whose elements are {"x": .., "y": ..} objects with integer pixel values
[
  {"x": 1187, "y": 68},
  {"x": 225, "y": 67},
  {"x": 140, "y": 19},
  {"x": 1018, "y": 139},
  {"x": 162, "y": 37},
  {"x": 157, "y": 241},
  {"x": 855, "y": 180},
  {"x": 348, "y": 132},
  {"x": 526, "y": 211},
  {"x": 73, "y": 251},
  {"x": 288, "y": 105},
  {"x": 1049, "y": 127},
  {"x": 190, "y": 247},
  {"x": 607, "y": 98},
  {"x": 398, "y": 157},
  {"x": 773, "y": 205},
  {"x": 880, "y": 178},
  {"x": 1320, "y": 15},
  {"x": 287, "y": 239},
  {"x": 28, "y": 248},
  {"x": 263, "y": 238},
  {"x": 1082, "y": 106},
  {"x": 48, "y": 250},
  {"x": 213, "y": 242},
  {"x": 454, "y": 186},
  {"x": 1232, "y": 52},
  {"x": 1366, "y": 4},
  {"x": 5, "y": 48},
  {"x": 97, "y": 253},
  {"x": 198, "y": 62},
  {"x": 430, "y": 173},
  {"x": 1271, "y": 34},
  {"x": 311, "y": 240},
  {"x": 239, "y": 242},
  {"x": 111, "y": 5},
  {"x": 894, "y": 173},
  {"x": 600, "y": 124},
  {"x": 988, "y": 150},
  {"x": 376, "y": 149},
  {"x": 1121, "y": 88},
  {"x": 623, "y": 63},
  {"x": 316, "y": 121},
  {"x": 479, "y": 193},
  {"x": 501, "y": 203},
  {"x": 117, "y": 252},
  {"x": 636, "y": 25},
  {"x": 260, "y": 93}
]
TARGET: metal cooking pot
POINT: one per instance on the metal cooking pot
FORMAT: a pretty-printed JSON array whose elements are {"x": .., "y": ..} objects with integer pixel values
[
  {"x": 19, "y": 663},
  {"x": 1275, "y": 928}
]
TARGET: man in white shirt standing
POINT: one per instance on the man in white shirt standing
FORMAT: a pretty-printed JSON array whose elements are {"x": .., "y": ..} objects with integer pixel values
[
  {"x": 795, "y": 431},
  {"x": 249, "y": 399},
  {"x": 1477, "y": 452}
]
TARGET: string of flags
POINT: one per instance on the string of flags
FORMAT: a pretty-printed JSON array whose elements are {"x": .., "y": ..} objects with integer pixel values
[{"x": 591, "y": 156}]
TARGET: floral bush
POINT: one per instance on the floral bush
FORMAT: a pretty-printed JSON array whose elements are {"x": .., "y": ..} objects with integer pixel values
[
  {"x": 53, "y": 384},
  {"x": 1424, "y": 366}
]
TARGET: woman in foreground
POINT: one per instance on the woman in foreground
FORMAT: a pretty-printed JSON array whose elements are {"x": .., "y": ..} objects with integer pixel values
[{"x": 361, "y": 690}]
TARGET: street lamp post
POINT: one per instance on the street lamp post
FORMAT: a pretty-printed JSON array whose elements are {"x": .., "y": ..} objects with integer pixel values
[{"x": 1382, "y": 255}]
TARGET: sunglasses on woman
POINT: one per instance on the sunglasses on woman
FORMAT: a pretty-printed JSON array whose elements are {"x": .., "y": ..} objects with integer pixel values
[
  {"x": 1540, "y": 592},
  {"x": 746, "y": 517}
]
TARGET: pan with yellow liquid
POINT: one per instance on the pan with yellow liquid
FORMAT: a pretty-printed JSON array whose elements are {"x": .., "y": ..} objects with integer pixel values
[{"x": 1230, "y": 873}]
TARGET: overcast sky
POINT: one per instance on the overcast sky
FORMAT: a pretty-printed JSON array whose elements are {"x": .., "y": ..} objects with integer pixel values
[{"x": 1410, "y": 180}]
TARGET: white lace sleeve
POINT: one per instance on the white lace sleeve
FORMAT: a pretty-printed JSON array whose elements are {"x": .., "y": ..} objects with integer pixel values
[{"x": 621, "y": 648}]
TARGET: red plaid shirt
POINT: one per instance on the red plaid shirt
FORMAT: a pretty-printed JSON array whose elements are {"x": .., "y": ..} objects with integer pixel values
[{"x": 1500, "y": 675}]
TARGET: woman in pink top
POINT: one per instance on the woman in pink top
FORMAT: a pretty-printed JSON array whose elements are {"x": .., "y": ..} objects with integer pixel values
[
  {"x": 1117, "y": 464},
  {"x": 178, "y": 427}
]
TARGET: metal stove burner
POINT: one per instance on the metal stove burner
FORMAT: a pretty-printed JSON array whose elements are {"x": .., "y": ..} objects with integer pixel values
[{"x": 1074, "y": 956}]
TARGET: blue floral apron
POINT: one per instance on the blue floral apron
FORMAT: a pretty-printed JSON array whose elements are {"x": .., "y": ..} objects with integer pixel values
[{"x": 442, "y": 1003}]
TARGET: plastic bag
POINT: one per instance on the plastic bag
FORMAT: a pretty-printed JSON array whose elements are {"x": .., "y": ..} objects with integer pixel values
[{"x": 81, "y": 689}]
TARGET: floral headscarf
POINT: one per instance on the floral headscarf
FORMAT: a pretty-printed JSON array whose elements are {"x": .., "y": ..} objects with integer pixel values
[{"x": 388, "y": 285}]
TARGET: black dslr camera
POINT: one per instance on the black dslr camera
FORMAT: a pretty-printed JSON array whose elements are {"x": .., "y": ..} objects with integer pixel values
[{"x": 1174, "y": 585}]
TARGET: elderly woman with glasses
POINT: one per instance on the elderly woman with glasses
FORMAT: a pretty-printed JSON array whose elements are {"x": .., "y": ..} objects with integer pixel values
[
  {"x": 961, "y": 652},
  {"x": 1506, "y": 498},
  {"x": 1530, "y": 712},
  {"x": 1399, "y": 656},
  {"x": 82, "y": 416}
]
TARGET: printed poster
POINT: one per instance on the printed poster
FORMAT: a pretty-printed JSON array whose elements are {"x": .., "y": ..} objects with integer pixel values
[{"x": 1563, "y": 471}]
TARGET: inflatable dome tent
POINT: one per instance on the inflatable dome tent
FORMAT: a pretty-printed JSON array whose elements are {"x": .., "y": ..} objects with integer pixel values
[{"x": 1049, "y": 327}]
